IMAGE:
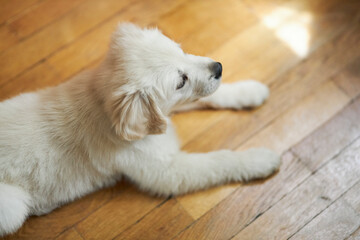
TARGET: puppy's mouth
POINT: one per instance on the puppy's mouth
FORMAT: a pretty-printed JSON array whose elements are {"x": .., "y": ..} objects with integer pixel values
[{"x": 210, "y": 87}]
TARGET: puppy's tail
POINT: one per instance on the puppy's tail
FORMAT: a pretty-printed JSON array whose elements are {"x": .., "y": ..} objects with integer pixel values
[{"x": 14, "y": 208}]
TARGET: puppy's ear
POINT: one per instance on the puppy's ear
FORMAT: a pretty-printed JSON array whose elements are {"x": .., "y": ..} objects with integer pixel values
[{"x": 136, "y": 115}]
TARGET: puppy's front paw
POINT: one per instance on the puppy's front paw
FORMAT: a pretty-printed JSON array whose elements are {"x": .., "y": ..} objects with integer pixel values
[
  {"x": 249, "y": 93},
  {"x": 259, "y": 163}
]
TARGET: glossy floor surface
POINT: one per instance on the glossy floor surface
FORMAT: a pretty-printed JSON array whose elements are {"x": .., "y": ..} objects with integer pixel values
[{"x": 307, "y": 51}]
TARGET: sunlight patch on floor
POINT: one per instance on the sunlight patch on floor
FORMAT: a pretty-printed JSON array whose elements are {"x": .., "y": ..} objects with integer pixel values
[{"x": 292, "y": 27}]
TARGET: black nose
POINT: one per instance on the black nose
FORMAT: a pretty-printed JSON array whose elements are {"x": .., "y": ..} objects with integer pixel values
[{"x": 216, "y": 68}]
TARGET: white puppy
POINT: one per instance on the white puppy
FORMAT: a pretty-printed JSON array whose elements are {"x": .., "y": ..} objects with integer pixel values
[{"x": 61, "y": 143}]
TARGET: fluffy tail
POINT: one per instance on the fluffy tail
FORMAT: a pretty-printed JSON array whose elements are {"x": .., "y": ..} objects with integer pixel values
[{"x": 14, "y": 208}]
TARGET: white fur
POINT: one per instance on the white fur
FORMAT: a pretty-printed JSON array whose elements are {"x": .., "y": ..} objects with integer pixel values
[
  {"x": 61, "y": 143},
  {"x": 14, "y": 209}
]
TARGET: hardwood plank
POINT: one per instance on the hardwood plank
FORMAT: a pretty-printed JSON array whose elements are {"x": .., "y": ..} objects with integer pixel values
[
  {"x": 86, "y": 52},
  {"x": 331, "y": 138},
  {"x": 352, "y": 198},
  {"x": 243, "y": 125},
  {"x": 300, "y": 120},
  {"x": 10, "y": 8},
  {"x": 70, "y": 234},
  {"x": 151, "y": 11},
  {"x": 191, "y": 124},
  {"x": 240, "y": 55},
  {"x": 348, "y": 80},
  {"x": 93, "y": 52},
  {"x": 88, "y": 49},
  {"x": 161, "y": 223},
  {"x": 51, "y": 225},
  {"x": 117, "y": 215},
  {"x": 290, "y": 36},
  {"x": 86, "y": 55},
  {"x": 199, "y": 203},
  {"x": 245, "y": 204},
  {"x": 199, "y": 31},
  {"x": 280, "y": 135},
  {"x": 94, "y": 45},
  {"x": 58, "y": 34},
  {"x": 290, "y": 88},
  {"x": 355, "y": 235},
  {"x": 264, "y": 7},
  {"x": 309, "y": 199},
  {"x": 247, "y": 49},
  {"x": 41, "y": 76},
  {"x": 336, "y": 222},
  {"x": 7, "y": 36},
  {"x": 240, "y": 58},
  {"x": 41, "y": 15}
]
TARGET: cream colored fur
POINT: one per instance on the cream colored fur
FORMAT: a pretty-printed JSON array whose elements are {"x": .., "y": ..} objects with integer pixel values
[{"x": 61, "y": 143}]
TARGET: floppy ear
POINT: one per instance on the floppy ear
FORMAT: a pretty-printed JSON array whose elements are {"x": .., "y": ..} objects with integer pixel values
[{"x": 136, "y": 115}]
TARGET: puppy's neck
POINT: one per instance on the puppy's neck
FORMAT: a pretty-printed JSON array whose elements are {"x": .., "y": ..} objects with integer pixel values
[{"x": 77, "y": 107}]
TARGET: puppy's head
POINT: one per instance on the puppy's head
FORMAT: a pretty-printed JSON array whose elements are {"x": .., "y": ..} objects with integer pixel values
[{"x": 149, "y": 76}]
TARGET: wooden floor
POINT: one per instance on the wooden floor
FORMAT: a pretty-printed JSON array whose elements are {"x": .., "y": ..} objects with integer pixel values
[{"x": 307, "y": 51}]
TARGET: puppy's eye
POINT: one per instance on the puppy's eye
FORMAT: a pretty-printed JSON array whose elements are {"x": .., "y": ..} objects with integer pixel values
[{"x": 182, "y": 83}]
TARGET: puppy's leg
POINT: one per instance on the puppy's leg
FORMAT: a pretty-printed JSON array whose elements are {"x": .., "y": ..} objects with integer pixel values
[
  {"x": 190, "y": 172},
  {"x": 14, "y": 208},
  {"x": 236, "y": 95}
]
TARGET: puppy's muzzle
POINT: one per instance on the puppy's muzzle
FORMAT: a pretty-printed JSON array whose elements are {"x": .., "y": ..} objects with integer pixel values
[{"x": 216, "y": 69}]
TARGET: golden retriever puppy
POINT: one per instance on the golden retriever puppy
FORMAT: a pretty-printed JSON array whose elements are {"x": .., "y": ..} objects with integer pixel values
[{"x": 61, "y": 143}]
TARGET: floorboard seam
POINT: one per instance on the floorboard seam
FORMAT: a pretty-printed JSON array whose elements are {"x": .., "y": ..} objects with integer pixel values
[
  {"x": 297, "y": 186},
  {"x": 88, "y": 31},
  {"x": 341, "y": 195},
  {"x": 141, "y": 218}
]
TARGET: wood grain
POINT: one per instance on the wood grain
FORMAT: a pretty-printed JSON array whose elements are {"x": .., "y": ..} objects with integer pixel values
[
  {"x": 51, "y": 225},
  {"x": 7, "y": 36},
  {"x": 193, "y": 30},
  {"x": 349, "y": 79},
  {"x": 84, "y": 52},
  {"x": 309, "y": 199},
  {"x": 246, "y": 203},
  {"x": 244, "y": 125},
  {"x": 335, "y": 222},
  {"x": 279, "y": 136},
  {"x": 296, "y": 84},
  {"x": 352, "y": 197},
  {"x": 70, "y": 234},
  {"x": 62, "y": 32},
  {"x": 295, "y": 18},
  {"x": 355, "y": 235},
  {"x": 264, "y": 7},
  {"x": 42, "y": 75},
  {"x": 240, "y": 58},
  {"x": 300, "y": 120},
  {"x": 117, "y": 215},
  {"x": 307, "y": 51},
  {"x": 41, "y": 15},
  {"x": 331, "y": 138},
  {"x": 341, "y": 219},
  {"x": 11, "y": 8},
  {"x": 165, "y": 220}
]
